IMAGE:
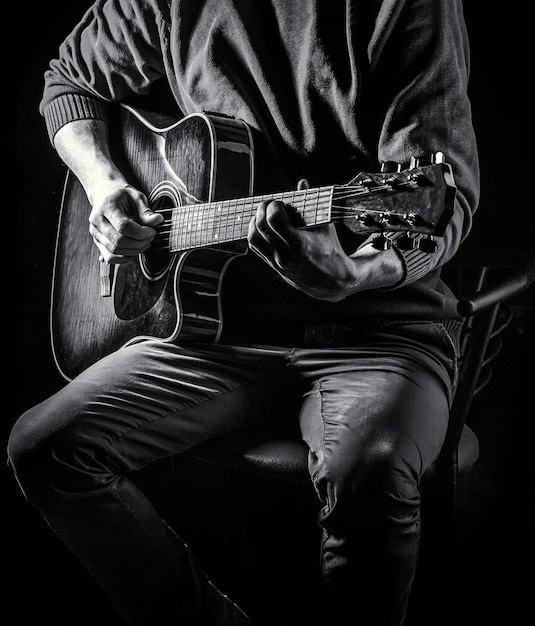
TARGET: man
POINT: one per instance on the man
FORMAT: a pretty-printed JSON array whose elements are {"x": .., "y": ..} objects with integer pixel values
[{"x": 360, "y": 328}]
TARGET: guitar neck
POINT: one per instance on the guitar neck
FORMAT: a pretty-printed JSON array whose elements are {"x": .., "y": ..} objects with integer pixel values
[
  {"x": 225, "y": 221},
  {"x": 371, "y": 203}
]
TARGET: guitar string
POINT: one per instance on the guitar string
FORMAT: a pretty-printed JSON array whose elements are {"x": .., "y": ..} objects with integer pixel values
[
  {"x": 205, "y": 236},
  {"x": 216, "y": 221},
  {"x": 252, "y": 203},
  {"x": 307, "y": 202},
  {"x": 255, "y": 200}
]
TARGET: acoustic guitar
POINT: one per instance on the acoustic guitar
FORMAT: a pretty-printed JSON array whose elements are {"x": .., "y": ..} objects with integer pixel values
[{"x": 198, "y": 172}]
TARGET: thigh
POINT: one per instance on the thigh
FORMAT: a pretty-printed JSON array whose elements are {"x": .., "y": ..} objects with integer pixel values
[
  {"x": 364, "y": 411},
  {"x": 152, "y": 399}
]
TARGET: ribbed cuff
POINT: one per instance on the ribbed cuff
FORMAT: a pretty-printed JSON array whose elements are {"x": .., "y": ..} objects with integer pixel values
[{"x": 70, "y": 107}]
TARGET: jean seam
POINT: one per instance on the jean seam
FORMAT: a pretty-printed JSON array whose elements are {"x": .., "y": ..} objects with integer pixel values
[{"x": 326, "y": 507}]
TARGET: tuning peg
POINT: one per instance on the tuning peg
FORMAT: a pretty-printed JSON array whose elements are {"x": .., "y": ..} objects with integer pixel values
[
  {"x": 427, "y": 244},
  {"x": 418, "y": 178},
  {"x": 366, "y": 181},
  {"x": 382, "y": 243},
  {"x": 405, "y": 242},
  {"x": 365, "y": 219},
  {"x": 385, "y": 218},
  {"x": 426, "y": 159},
  {"x": 409, "y": 218},
  {"x": 390, "y": 166},
  {"x": 391, "y": 181},
  {"x": 362, "y": 179}
]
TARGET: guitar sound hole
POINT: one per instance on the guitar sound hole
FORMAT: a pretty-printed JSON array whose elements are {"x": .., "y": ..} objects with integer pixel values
[{"x": 157, "y": 259}]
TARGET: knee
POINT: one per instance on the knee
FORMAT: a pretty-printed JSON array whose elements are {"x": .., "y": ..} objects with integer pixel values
[
  {"x": 28, "y": 449},
  {"x": 40, "y": 451},
  {"x": 380, "y": 472}
]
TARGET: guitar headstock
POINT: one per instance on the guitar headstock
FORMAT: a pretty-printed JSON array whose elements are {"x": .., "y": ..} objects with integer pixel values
[{"x": 418, "y": 198}]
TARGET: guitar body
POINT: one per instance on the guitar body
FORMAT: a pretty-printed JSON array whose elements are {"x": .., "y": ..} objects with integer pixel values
[{"x": 164, "y": 295}]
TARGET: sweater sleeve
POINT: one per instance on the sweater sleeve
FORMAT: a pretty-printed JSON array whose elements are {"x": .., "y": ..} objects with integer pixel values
[
  {"x": 419, "y": 60},
  {"x": 113, "y": 52}
]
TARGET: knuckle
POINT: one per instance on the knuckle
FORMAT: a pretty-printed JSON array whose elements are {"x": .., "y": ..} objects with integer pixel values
[
  {"x": 262, "y": 228},
  {"x": 94, "y": 219},
  {"x": 121, "y": 225},
  {"x": 271, "y": 217},
  {"x": 113, "y": 243}
]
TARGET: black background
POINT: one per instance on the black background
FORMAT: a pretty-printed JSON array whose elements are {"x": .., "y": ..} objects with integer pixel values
[{"x": 503, "y": 118}]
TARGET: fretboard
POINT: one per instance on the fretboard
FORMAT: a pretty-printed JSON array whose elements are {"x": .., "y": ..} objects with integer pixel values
[{"x": 200, "y": 225}]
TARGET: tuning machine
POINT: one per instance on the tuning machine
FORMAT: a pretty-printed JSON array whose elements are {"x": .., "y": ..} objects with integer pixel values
[
  {"x": 406, "y": 242},
  {"x": 381, "y": 242},
  {"x": 424, "y": 243},
  {"x": 427, "y": 244}
]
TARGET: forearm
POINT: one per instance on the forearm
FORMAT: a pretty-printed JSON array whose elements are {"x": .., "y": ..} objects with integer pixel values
[
  {"x": 84, "y": 147},
  {"x": 367, "y": 269}
]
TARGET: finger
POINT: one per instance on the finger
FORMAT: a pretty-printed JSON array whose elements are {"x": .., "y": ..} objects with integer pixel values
[
  {"x": 109, "y": 257},
  {"x": 273, "y": 223},
  {"x": 116, "y": 243},
  {"x": 279, "y": 224},
  {"x": 303, "y": 184},
  {"x": 112, "y": 227},
  {"x": 281, "y": 236},
  {"x": 124, "y": 212},
  {"x": 125, "y": 226},
  {"x": 258, "y": 243},
  {"x": 266, "y": 244}
]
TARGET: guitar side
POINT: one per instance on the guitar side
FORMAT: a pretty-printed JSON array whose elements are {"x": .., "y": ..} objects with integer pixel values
[{"x": 159, "y": 295}]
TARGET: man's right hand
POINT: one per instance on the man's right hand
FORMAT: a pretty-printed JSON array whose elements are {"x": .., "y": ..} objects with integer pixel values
[{"x": 121, "y": 223}]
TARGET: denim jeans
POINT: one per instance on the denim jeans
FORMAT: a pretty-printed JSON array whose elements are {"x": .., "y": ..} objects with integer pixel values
[{"x": 374, "y": 411}]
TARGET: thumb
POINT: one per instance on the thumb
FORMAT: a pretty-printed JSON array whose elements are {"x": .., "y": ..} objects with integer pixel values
[
  {"x": 146, "y": 215},
  {"x": 150, "y": 218}
]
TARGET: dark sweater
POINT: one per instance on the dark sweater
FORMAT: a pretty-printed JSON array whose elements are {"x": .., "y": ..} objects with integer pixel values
[{"x": 335, "y": 86}]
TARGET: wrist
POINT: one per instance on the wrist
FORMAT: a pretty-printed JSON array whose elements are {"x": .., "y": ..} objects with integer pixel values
[
  {"x": 377, "y": 269},
  {"x": 103, "y": 182}
]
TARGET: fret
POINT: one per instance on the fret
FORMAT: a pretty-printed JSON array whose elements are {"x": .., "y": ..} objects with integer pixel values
[
  {"x": 213, "y": 224},
  {"x": 305, "y": 201},
  {"x": 241, "y": 223},
  {"x": 189, "y": 227},
  {"x": 223, "y": 216},
  {"x": 174, "y": 233},
  {"x": 203, "y": 228},
  {"x": 200, "y": 225},
  {"x": 218, "y": 227},
  {"x": 197, "y": 226},
  {"x": 231, "y": 218}
]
